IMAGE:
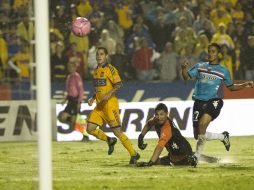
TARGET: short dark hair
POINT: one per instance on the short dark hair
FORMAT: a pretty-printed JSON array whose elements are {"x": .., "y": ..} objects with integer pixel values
[
  {"x": 215, "y": 45},
  {"x": 161, "y": 106},
  {"x": 104, "y": 49}
]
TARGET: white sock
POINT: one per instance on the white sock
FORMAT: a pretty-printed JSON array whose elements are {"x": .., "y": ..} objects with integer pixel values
[
  {"x": 214, "y": 136},
  {"x": 200, "y": 145}
]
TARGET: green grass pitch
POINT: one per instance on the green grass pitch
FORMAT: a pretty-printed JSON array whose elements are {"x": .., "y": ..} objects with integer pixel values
[{"x": 78, "y": 165}]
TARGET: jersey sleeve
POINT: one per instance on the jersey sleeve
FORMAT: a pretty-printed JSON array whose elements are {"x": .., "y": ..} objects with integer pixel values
[
  {"x": 193, "y": 71},
  {"x": 114, "y": 77},
  {"x": 165, "y": 135},
  {"x": 227, "y": 79}
]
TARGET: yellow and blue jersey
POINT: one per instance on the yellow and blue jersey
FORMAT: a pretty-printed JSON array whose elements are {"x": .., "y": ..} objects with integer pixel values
[{"x": 104, "y": 78}]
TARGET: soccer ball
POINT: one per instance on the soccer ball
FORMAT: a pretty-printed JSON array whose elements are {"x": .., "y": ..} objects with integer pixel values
[{"x": 81, "y": 26}]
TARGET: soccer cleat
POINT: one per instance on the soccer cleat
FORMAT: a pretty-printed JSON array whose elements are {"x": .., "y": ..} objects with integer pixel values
[
  {"x": 85, "y": 139},
  {"x": 193, "y": 160},
  {"x": 111, "y": 145},
  {"x": 226, "y": 141},
  {"x": 134, "y": 159}
]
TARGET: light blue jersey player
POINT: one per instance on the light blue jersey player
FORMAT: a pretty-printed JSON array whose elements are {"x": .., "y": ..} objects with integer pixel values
[
  {"x": 209, "y": 78},
  {"x": 207, "y": 103}
]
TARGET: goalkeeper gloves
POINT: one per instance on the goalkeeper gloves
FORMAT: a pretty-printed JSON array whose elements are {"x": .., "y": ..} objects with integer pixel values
[
  {"x": 141, "y": 144},
  {"x": 145, "y": 164}
]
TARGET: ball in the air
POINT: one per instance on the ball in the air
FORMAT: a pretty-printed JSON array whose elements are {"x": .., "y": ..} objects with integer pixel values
[{"x": 81, "y": 26}]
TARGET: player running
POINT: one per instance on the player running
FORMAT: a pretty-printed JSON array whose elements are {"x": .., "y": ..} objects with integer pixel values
[
  {"x": 207, "y": 103},
  {"x": 107, "y": 82},
  {"x": 179, "y": 149}
]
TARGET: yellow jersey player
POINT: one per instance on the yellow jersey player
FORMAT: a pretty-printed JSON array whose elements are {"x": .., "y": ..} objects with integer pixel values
[{"x": 107, "y": 82}]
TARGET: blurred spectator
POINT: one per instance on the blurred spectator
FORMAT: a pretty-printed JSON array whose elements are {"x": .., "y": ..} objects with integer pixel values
[
  {"x": 221, "y": 37},
  {"x": 82, "y": 45},
  {"x": 107, "y": 42},
  {"x": 58, "y": 64},
  {"x": 208, "y": 29},
  {"x": 220, "y": 15},
  {"x": 138, "y": 33},
  {"x": 136, "y": 8},
  {"x": 25, "y": 30},
  {"x": 53, "y": 29},
  {"x": 153, "y": 15},
  {"x": 187, "y": 54},
  {"x": 183, "y": 11},
  {"x": 73, "y": 53},
  {"x": 239, "y": 74},
  {"x": 239, "y": 34},
  {"x": 237, "y": 13},
  {"x": 164, "y": 30},
  {"x": 115, "y": 32},
  {"x": 147, "y": 6},
  {"x": 84, "y": 8},
  {"x": 120, "y": 61},
  {"x": 227, "y": 59},
  {"x": 201, "y": 48},
  {"x": 124, "y": 16},
  {"x": 247, "y": 57},
  {"x": 19, "y": 65},
  {"x": 184, "y": 37},
  {"x": 140, "y": 20},
  {"x": 142, "y": 62},
  {"x": 108, "y": 9},
  {"x": 168, "y": 63},
  {"x": 73, "y": 11},
  {"x": 248, "y": 22},
  {"x": 62, "y": 20},
  {"x": 13, "y": 41},
  {"x": 202, "y": 23},
  {"x": 184, "y": 26},
  {"x": 3, "y": 56},
  {"x": 169, "y": 7}
]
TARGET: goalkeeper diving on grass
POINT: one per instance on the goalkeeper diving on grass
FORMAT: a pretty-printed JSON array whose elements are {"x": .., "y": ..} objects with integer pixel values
[{"x": 179, "y": 149}]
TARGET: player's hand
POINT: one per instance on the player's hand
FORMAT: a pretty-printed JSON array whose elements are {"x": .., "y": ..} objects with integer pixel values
[
  {"x": 141, "y": 144},
  {"x": 90, "y": 101},
  {"x": 144, "y": 164},
  {"x": 185, "y": 64},
  {"x": 249, "y": 84}
]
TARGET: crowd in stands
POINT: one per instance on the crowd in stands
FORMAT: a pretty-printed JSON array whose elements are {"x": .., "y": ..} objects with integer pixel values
[{"x": 146, "y": 39}]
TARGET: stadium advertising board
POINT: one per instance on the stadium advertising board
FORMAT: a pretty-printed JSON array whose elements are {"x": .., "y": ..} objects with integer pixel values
[
  {"x": 18, "y": 119},
  {"x": 236, "y": 117}
]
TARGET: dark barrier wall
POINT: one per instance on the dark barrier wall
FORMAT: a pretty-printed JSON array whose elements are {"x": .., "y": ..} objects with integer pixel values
[{"x": 134, "y": 91}]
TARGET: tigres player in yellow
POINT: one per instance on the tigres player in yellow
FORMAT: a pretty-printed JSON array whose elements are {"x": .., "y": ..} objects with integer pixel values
[{"x": 107, "y": 82}]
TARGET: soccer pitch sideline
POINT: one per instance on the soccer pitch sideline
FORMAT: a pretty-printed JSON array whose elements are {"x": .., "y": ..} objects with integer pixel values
[{"x": 78, "y": 165}]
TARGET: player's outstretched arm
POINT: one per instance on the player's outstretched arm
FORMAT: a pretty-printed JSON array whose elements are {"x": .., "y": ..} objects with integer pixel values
[
  {"x": 184, "y": 67},
  {"x": 247, "y": 84}
]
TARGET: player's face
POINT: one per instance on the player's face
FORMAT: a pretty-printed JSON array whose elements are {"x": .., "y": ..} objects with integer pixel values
[
  {"x": 212, "y": 54},
  {"x": 100, "y": 56},
  {"x": 161, "y": 116}
]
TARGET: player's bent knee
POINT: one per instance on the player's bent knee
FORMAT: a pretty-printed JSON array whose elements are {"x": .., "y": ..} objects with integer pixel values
[
  {"x": 62, "y": 117},
  {"x": 91, "y": 128}
]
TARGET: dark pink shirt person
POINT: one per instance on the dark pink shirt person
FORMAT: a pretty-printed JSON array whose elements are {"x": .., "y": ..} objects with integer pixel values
[{"x": 74, "y": 86}]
